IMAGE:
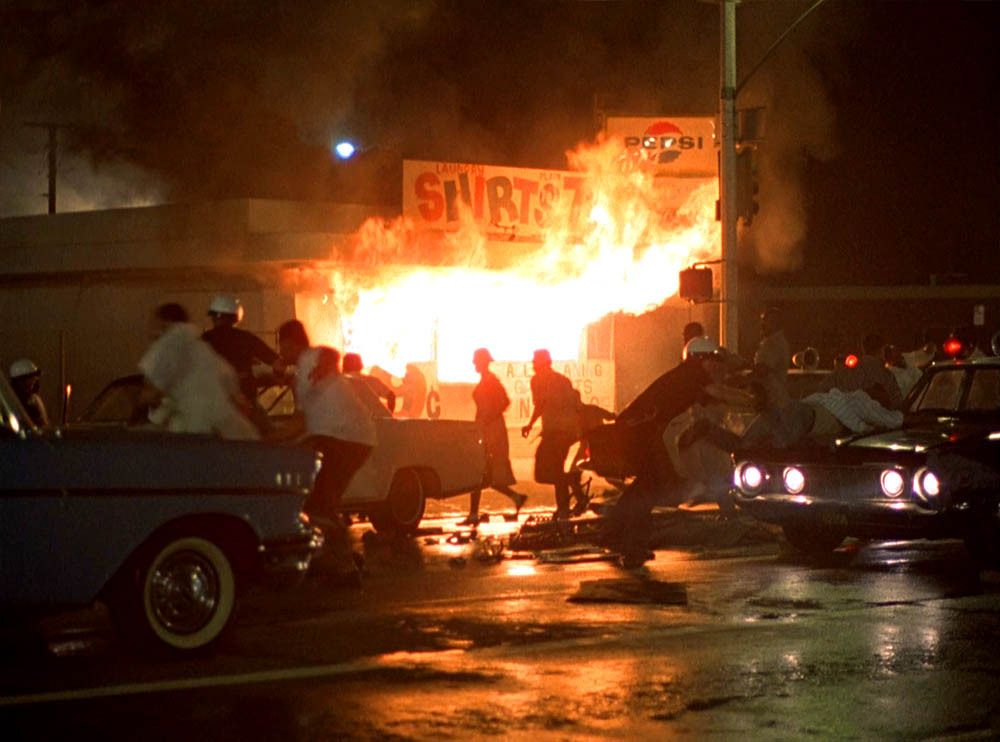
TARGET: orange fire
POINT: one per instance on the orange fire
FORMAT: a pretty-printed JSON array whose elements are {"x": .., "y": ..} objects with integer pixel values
[{"x": 620, "y": 253}]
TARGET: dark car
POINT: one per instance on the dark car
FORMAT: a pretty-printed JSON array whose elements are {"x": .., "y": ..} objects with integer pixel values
[
  {"x": 938, "y": 476},
  {"x": 165, "y": 529}
]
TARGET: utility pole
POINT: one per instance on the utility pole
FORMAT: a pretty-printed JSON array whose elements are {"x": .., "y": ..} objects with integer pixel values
[
  {"x": 729, "y": 304},
  {"x": 52, "y": 156},
  {"x": 53, "y": 160}
]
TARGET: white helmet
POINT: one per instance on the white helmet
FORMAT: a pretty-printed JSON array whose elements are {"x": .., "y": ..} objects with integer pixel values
[
  {"x": 700, "y": 346},
  {"x": 224, "y": 304},
  {"x": 23, "y": 367}
]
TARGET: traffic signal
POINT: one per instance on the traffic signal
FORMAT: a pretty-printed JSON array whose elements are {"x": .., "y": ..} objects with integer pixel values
[
  {"x": 696, "y": 284},
  {"x": 746, "y": 186}
]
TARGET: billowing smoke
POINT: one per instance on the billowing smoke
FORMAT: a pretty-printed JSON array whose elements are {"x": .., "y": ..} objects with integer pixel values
[
  {"x": 189, "y": 100},
  {"x": 223, "y": 98},
  {"x": 798, "y": 119}
]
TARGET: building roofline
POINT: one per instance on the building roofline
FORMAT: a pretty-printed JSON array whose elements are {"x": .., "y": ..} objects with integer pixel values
[{"x": 877, "y": 293}]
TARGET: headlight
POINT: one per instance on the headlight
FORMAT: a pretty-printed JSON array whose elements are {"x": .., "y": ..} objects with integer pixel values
[
  {"x": 749, "y": 478},
  {"x": 794, "y": 479},
  {"x": 892, "y": 483},
  {"x": 926, "y": 484}
]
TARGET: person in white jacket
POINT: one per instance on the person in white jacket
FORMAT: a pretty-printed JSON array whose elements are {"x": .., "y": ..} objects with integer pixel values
[
  {"x": 907, "y": 368},
  {"x": 197, "y": 390}
]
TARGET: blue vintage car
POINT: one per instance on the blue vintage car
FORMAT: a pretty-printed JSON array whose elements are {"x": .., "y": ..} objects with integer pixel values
[
  {"x": 936, "y": 477},
  {"x": 165, "y": 529}
]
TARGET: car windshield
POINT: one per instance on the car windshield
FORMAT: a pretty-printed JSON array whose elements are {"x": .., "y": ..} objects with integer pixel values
[
  {"x": 984, "y": 391},
  {"x": 279, "y": 401},
  {"x": 117, "y": 403},
  {"x": 370, "y": 398},
  {"x": 958, "y": 389}
]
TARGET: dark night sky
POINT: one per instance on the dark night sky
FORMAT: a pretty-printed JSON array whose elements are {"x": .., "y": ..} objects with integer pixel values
[{"x": 882, "y": 133}]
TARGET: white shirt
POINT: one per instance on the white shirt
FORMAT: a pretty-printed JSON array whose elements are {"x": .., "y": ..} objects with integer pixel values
[
  {"x": 330, "y": 405},
  {"x": 906, "y": 377},
  {"x": 855, "y": 410},
  {"x": 197, "y": 384}
]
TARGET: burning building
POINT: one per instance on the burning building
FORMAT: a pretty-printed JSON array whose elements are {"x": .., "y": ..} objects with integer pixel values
[
  {"x": 514, "y": 259},
  {"x": 583, "y": 262}
]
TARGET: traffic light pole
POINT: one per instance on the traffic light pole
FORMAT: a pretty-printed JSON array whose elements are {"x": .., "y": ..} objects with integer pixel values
[
  {"x": 52, "y": 154},
  {"x": 729, "y": 304}
]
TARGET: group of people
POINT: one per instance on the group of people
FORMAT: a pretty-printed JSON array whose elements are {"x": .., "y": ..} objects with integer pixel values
[
  {"x": 856, "y": 397},
  {"x": 564, "y": 418},
  {"x": 201, "y": 391},
  {"x": 207, "y": 383},
  {"x": 672, "y": 434},
  {"x": 680, "y": 449}
]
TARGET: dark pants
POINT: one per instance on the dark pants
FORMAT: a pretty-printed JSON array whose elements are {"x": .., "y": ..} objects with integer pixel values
[
  {"x": 627, "y": 528},
  {"x": 550, "y": 468},
  {"x": 341, "y": 459}
]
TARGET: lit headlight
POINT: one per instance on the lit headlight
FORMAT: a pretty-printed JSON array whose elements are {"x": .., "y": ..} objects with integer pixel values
[
  {"x": 749, "y": 478},
  {"x": 892, "y": 483},
  {"x": 795, "y": 480},
  {"x": 926, "y": 484}
]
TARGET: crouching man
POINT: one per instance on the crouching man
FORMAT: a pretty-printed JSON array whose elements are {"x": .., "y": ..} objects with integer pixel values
[
  {"x": 332, "y": 419},
  {"x": 642, "y": 426}
]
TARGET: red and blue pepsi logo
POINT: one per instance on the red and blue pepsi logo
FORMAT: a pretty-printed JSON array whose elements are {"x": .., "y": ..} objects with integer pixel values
[{"x": 664, "y": 142}]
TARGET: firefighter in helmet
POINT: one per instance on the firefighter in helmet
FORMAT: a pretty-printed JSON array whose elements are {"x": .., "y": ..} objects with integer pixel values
[
  {"x": 243, "y": 350},
  {"x": 25, "y": 379}
]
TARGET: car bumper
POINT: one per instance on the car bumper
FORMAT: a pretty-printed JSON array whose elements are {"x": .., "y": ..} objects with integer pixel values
[
  {"x": 868, "y": 518},
  {"x": 286, "y": 560}
]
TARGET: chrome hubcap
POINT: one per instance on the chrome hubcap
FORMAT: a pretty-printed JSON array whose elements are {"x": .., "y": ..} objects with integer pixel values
[{"x": 184, "y": 592}]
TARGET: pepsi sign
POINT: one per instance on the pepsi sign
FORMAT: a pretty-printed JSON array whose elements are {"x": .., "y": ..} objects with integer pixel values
[{"x": 668, "y": 146}]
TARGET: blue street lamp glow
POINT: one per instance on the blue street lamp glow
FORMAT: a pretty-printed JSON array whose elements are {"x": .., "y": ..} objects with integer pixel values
[{"x": 345, "y": 150}]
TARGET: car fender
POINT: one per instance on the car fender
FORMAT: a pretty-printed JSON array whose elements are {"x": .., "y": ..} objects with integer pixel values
[{"x": 451, "y": 449}]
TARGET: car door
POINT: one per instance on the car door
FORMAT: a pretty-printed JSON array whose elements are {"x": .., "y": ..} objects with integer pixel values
[
  {"x": 51, "y": 552},
  {"x": 47, "y": 546}
]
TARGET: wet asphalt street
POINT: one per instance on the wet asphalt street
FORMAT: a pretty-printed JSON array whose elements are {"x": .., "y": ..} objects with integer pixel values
[{"x": 880, "y": 640}]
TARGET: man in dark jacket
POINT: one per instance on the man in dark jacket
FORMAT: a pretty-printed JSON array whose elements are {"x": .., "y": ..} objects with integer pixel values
[
  {"x": 556, "y": 402},
  {"x": 240, "y": 348},
  {"x": 641, "y": 426}
]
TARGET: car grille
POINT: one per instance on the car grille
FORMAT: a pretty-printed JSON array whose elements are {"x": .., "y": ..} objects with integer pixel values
[{"x": 839, "y": 483}]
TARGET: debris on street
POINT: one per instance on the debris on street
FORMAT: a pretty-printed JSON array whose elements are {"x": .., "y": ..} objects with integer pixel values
[
  {"x": 576, "y": 554},
  {"x": 630, "y": 590},
  {"x": 699, "y": 526}
]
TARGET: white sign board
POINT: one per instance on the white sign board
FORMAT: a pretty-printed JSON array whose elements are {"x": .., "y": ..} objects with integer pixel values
[
  {"x": 508, "y": 202},
  {"x": 595, "y": 380},
  {"x": 668, "y": 145}
]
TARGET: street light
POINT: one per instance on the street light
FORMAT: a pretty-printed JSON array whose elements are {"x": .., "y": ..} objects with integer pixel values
[{"x": 345, "y": 149}]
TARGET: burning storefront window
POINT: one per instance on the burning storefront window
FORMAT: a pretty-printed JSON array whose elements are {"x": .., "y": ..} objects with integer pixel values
[{"x": 508, "y": 258}]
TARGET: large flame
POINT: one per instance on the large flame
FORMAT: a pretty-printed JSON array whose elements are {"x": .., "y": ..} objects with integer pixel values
[{"x": 620, "y": 253}]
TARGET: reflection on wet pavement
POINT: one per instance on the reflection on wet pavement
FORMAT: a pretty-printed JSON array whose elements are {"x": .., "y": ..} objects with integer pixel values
[{"x": 879, "y": 639}]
